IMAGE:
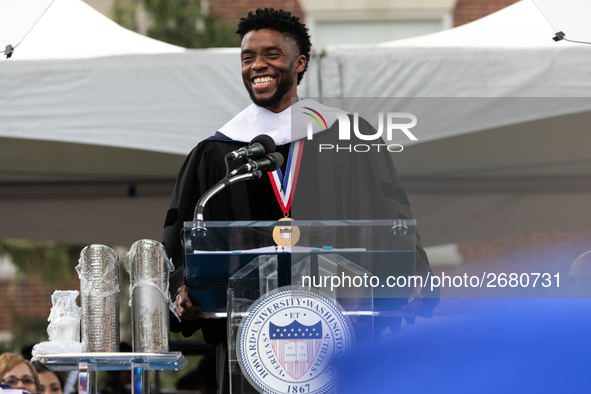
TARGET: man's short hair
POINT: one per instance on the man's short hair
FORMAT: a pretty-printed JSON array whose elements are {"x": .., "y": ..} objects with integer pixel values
[{"x": 281, "y": 21}]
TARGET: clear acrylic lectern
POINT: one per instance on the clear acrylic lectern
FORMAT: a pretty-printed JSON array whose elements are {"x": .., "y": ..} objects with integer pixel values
[{"x": 230, "y": 265}]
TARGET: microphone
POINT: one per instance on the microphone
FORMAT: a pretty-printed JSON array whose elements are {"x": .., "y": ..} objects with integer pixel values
[
  {"x": 270, "y": 162},
  {"x": 259, "y": 145}
]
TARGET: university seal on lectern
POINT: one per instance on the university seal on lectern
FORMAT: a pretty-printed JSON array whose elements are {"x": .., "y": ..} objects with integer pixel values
[{"x": 288, "y": 342}]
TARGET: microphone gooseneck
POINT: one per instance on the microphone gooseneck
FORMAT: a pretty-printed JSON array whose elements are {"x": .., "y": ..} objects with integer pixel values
[
  {"x": 198, "y": 214},
  {"x": 251, "y": 170}
]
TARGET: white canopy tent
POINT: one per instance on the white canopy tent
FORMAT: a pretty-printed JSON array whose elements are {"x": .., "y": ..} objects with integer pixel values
[
  {"x": 69, "y": 29},
  {"x": 127, "y": 117},
  {"x": 96, "y": 122},
  {"x": 166, "y": 101},
  {"x": 76, "y": 94},
  {"x": 506, "y": 54},
  {"x": 509, "y": 158},
  {"x": 79, "y": 77}
]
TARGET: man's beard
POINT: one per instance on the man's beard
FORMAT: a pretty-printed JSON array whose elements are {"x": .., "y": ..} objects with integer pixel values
[{"x": 282, "y": 89}]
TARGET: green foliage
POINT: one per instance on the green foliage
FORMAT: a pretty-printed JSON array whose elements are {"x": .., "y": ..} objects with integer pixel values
[
  {"x": 178, "y": 22},
  {"x": 52, "y": 263},
  {"x": 124, "y": 13},
  {"x": 174, "y": 21},
  {"x": 216, "y": 35},
  {"x": 28, "y": 330}
]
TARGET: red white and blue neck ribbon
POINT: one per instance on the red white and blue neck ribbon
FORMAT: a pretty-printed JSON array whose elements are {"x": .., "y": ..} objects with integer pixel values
[{"x": 284, "y": 185}]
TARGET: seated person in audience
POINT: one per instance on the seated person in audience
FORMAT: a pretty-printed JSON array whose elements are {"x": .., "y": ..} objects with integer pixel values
[
  {"x": 51, "y": 383},
  {"x": 15, "y": 371}
]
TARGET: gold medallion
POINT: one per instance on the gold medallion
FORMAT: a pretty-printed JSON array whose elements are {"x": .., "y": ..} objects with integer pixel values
[{"x": 286, "y": 235}]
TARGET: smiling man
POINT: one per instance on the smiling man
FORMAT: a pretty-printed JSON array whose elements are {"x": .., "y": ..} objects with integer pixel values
[
  {"x": 274, "y": 55},
  {"x": 270, "y": 62},
  {"x": 275, "y": 52}
]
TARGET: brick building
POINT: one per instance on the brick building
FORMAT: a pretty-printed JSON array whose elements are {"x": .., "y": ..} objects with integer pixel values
[
  {"x": 230, "y": 11},
  {"x": 466, "y": 11},
  {"x": 337, "y": 22}
]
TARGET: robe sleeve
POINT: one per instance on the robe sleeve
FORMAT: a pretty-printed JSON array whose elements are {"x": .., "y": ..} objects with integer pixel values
[
  {"x": 358, "y": 185},
  {"x": 203, "y": 168},
  {"x": 390, "y": 196}
]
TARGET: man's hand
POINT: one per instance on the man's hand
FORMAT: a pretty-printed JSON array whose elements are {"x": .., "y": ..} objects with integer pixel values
[
  {"x": 185, "y": 308},
  {"x": 415, "y": 301}
]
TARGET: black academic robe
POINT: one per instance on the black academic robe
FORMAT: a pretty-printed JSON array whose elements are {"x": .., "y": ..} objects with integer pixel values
[{"x": 332, "y": 185}]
